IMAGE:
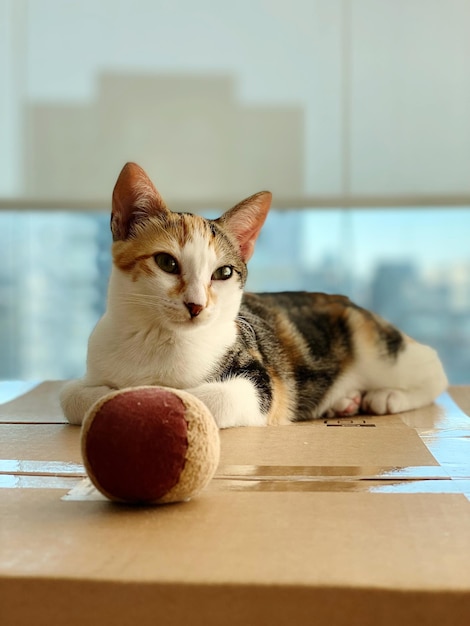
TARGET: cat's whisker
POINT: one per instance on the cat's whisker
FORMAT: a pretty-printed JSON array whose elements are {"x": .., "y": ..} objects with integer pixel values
[
  {"x": 243, "y": 322},
  {"x": 143, "y": 300},
  {"x": 146, "y": 296}
]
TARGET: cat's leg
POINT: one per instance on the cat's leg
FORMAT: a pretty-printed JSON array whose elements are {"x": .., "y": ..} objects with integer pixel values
[
  {"x": 77, "y": 396},
  {"x": 414, "y": 380},
  {"x": 234, "y": 402}
]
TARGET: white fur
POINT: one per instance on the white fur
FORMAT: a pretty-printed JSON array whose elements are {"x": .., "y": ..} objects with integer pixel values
[
  {"x": 134, "y": 343},
  {"x": 414, "y": 379},
  {"x": 198, "y": 262},
  {"x": 232, "y": 403},
  {"x": 77, "y": 396}
]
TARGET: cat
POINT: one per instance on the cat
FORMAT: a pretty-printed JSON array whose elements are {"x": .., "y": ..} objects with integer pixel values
[{"x": 177, "y": 316}]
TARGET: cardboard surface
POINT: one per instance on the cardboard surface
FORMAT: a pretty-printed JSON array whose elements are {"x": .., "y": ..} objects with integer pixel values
[
  {"x": 220, "y": 558},
  {"x": 40, "y": 442},
  {"x": 362, "y": 521},
  {"x": 113, "y": 543},
  {"x": 317, "y": 444},
  {"x": 31, "y": 402}
]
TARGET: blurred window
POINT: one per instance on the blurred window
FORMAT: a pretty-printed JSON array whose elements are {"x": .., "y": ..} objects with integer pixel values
[
  {"x": 354, "y": 113},
  {"x": 56, "y": 266}
]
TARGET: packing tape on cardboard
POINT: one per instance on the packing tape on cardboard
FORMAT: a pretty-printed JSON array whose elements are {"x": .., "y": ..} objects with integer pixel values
[
  {"x": 327, "y": 472},
  {"x": 371, "y": 486},
  {"x": 15, "y": 481},
  {"x": 418, "y": 479},
  {"x": 44, "y": 468},
  {"x": 252, "y": 478},
  {"x": 26, "y": 474},
  {"x": 85, "y": 491},
  {"x": 250, "y": 472},
  {"x": 30, "y": 474}
]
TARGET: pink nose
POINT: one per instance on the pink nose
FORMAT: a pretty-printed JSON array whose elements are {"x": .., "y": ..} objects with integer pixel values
[{"x": 194, "y": 309}]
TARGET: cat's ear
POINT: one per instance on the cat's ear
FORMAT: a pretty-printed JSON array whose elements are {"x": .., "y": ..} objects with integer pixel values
[
  {"x": 245, "y": 220},
  {"x": 134, "y": 199}
]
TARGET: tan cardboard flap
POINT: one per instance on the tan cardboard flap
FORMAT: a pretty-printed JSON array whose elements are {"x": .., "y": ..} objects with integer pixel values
[
  {"x": 38, "y": 405},
  {"x": 300, "y": 444},
  {"x": 74, "y": 603},
  {"x": 461, "y": 395},
  {"x": 40, "y": 442},
  {"x": 317, "y": 444},
  {"x": 412, "y": 541},
  {"x": 444, "y": 415}
]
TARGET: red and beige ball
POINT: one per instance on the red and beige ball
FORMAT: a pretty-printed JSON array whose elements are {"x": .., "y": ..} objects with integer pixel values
[{"x": 150, "y": 445}]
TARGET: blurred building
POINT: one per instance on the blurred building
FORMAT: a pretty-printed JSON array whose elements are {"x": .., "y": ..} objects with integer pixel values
[
  {"x": 51, "y": 292},
  {"x": 393, "y": 288},
  {"x": 191, "y": 133},
  {"x": 11, "y": 276}
]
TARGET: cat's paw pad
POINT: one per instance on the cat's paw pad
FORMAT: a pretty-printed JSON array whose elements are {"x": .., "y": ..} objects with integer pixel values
[
  {"x": 347, "y": 406},
  {"x": 384, "y": 401}
]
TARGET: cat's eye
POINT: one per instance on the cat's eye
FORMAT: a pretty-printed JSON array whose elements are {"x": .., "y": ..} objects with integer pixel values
[
  {"x": 167, "y": 263},
  {"x": 223, "y": 273}
]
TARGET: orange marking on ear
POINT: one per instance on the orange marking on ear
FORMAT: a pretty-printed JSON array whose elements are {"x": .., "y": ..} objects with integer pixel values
[{"x": 135, "y": 198}]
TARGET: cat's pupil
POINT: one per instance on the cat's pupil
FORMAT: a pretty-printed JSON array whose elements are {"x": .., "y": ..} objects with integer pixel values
[
  {"x": 167, "y": 263},
  {"x": 223, "y": 273}
]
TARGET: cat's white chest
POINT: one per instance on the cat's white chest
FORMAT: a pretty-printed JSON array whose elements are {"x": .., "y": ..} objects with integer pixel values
[{"x": 145, "y": 357}]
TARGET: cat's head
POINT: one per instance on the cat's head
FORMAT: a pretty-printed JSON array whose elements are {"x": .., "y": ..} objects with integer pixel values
[{"x": 182, "y": 269}]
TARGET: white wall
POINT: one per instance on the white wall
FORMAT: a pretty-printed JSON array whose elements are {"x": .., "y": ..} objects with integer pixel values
[{"x": 381, "y": 90}]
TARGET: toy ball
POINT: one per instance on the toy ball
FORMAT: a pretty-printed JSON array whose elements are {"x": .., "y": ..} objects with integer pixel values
[{"x": 149, "y": 445}]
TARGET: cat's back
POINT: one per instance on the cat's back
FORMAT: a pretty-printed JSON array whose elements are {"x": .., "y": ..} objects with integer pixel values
[
  {"x": 325, "y": 326},
  {"x": 296, "y": 303},
  {"x": 318, "y": 319}
]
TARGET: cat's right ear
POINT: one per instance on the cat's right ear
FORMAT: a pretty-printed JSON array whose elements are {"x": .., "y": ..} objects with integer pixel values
[{"x": 134, "y": 199}]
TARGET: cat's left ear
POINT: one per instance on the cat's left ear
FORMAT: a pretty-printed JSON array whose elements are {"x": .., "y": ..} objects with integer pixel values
[
  {"x": 245, "y": 220},
  {"x": 135, "y": 199}
]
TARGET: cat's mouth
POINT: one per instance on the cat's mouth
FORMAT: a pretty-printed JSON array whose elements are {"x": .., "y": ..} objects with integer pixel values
[
  {"x": 198, "y": 320},
  {"x": 186, "y": 320}
]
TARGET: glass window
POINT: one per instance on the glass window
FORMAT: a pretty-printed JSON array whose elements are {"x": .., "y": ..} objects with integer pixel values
[
  {"x": 56, "y": 265},
  {"x": 327, "y": 103}
]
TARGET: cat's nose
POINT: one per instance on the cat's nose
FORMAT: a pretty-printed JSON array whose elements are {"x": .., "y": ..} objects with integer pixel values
[{"x": 194, "y": 309}]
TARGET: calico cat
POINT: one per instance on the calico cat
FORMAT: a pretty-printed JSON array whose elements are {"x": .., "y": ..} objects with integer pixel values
[{"x": 177, "y": 316}]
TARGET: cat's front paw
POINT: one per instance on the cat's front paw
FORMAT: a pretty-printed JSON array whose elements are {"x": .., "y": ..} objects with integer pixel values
[
  {"x": 76, "y": 397},
  {"x": 232, "y": 403}
]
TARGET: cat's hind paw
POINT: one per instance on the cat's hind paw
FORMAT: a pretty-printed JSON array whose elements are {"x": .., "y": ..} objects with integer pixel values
[
  {"x": 347, "y": 406},
  {"x": 384, "y": 402}
]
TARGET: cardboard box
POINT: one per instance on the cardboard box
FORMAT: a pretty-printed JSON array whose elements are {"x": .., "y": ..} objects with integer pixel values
[{"x": 353, "y": 521}]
